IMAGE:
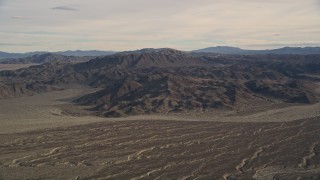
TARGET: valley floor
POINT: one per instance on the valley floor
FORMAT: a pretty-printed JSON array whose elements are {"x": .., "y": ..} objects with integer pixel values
[{"x": 39, "y": 140}]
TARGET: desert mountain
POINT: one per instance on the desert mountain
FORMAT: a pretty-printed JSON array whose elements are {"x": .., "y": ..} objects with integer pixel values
[
  {"x": 157, "y": 58},
  {"x": 46, "y": 58},
  {"x": 217, "y": 50},
  {"x": 235, "y": 50},
  {"x": 85, "y": 53},
  {"x": 4, "y": 55},
  {"x": 78, "y": 53},
  {"x": 172, "y": 81}
]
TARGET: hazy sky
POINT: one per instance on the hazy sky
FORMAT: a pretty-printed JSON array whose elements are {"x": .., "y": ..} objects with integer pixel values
[{"x": 53, "y": 25}]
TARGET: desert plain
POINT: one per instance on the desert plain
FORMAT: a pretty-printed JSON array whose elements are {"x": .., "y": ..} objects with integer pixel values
[
  {"x": 161, "y": 114},
  {"x": 40, "y": 140}
]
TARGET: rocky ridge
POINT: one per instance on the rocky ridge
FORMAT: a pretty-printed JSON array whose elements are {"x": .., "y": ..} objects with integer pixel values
[{"x": 170, "y": 81}]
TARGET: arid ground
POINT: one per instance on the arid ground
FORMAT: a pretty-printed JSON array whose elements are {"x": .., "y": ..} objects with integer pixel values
[
  {"x": 40, "y": 140},
  {"x": 161, "y": 114}
]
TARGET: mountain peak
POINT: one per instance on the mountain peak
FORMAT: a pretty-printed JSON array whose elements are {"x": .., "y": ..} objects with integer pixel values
[
  {"x": 221, "y": 50},
  {"x": 165, "y": 51},
  {"x": 284, "y": 50},
  {"x": 144, "y": 58}
]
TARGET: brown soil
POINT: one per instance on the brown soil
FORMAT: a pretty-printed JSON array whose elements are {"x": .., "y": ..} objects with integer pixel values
[
  {"x": 192, "y": 117},
  {"x": 43, "y": 137},
  {"x": 45, "y": 110},
  {"x": 165, "y": 150}
]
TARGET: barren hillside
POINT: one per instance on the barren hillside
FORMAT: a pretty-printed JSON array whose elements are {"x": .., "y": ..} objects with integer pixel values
[{"x": 170, "y": 81}]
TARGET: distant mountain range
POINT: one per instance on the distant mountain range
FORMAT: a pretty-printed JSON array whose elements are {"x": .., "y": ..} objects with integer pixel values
[
  {"x": 46, "y": 58},
  {"x": 65, "y": 53},
  {"x": 284, "y": 50},
  {"x": 217, "y": 50},
  {"x": 169, "y": 81}
]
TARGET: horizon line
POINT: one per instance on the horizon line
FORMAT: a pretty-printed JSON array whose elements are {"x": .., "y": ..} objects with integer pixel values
[{"x": 160, "y": 48}]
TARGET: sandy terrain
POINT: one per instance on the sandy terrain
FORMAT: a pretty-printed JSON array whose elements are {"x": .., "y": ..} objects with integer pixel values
[
  {"x": 39, "y": 141},
  {"x": 14, "y": 66},
  {"x": 165, "y": 150},
  {"x": 48, "y": 110},
  {"x": 40, "y": 111},
  {"x": 283, "y": 114}
]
